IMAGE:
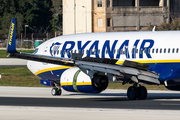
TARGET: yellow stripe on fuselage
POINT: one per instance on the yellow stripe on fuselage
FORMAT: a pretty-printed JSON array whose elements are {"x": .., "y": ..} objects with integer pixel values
[
  {"x": 78, "y": 83},
  {"x": 152, "y": 61},
  {"x": 118, "y": 62},
  {"x": 51, "y": 69}
]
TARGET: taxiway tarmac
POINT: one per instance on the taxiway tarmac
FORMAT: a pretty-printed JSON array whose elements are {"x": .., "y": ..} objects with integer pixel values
[
  {"x": 12, "y": 62},
  {"x": 37, "y": 103}
]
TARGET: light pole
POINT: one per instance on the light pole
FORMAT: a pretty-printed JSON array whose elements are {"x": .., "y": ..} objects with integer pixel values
[
  {"x": 85, "y": 16},
  {"x": 25, "y": 30}
]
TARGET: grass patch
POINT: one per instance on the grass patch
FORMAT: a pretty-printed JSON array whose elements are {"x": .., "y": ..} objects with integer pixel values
[
  {"x": 21, "y": 76},
  {"x": 18, "y": 76},
  {"x": 3, "y": 53}
]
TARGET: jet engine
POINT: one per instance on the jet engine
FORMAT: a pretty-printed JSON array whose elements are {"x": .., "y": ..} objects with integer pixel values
[
  {"x": 75, "y": 80},
  {"x": 173, "y": 84}
]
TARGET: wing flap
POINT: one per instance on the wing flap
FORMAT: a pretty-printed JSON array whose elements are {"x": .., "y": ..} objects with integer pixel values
[{"x": 118, "y": 70}]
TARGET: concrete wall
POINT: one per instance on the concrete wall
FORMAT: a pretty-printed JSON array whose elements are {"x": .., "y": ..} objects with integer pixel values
[
  {"x": 124, "y": 21},
  {"x": 76, "y": 18},
  {"x": 145, "y": 20}
]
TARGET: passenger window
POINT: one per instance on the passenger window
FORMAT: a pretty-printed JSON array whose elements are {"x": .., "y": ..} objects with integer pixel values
[
  {"x": 152, "y": 50},
  {"x": 136, "y": 50},
  {"x": 165, "y": 50},
  {"x": 95, "y": 51},
  {"x": 157, "y": 50},
  {"x": 160, "y": 50},
  {"x": 149, "y": 50},
  {"x": 118, "y": 51},
  {"x": 169, "y": 50},
  {"x": 74, "y": 51},
  {"x": 141, "y": 51},
  {"x": 121, "y": 51},
  {"x": 82, "y": 51},
  {"x": 133, "y": 50},
  {"x": 98, "y": 51},
  {"x": 173, "y": 50},
  {"x": 145, "y": 50},
  {"x": 106, "y": 51},
  {"x": 177, "y": 50},
  {"x": 86, "y": 51},
  {"x": 114, "y": 51}
]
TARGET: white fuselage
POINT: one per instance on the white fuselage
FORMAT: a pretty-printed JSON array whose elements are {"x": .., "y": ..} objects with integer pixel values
[{"x": 143, "y": 47}]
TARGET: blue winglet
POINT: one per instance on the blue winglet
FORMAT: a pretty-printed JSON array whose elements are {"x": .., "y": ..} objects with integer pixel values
[{"x": 11, "y": 45}]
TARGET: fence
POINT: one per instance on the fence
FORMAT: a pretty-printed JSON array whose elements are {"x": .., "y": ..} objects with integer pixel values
[{"x": 29, "y": 42}]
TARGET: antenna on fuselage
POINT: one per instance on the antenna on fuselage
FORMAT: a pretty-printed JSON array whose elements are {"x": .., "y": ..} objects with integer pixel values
[{"x": 154, "y": 28}]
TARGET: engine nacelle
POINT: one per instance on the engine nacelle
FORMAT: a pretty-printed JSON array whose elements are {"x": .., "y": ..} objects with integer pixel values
[
  {"x": 173, "y": 84},
  {"x": 75, "y": 80}
]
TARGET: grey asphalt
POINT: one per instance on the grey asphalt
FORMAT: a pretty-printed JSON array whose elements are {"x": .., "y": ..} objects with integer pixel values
[
  {"x": 111, "y": 99},
  {"x": 12, "y": 62}
]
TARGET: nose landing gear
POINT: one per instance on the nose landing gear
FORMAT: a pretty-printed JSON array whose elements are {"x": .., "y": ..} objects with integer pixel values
[
  {"x": 135, "y": 92},
  {"x": 56, "y": 92}
]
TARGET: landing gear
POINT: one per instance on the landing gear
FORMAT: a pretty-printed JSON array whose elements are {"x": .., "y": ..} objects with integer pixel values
[
  {"x": 135, "y": 92},
  {"x": 56, "y": 92},
  {"x": 142, "y": 93}
]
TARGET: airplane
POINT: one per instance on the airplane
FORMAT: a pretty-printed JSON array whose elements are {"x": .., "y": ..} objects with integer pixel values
[{"x": 87, "y": 62}]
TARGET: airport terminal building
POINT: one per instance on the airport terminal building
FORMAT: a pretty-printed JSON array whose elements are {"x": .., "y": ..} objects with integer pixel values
[{"x": 81, "y": 16}]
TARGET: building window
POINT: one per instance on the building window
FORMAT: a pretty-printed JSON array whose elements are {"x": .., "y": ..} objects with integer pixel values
[
  {"x": 99, "y": 3},
  {"x": 108, "y": 3},
  {"x": 99, "y": 22},
  {"x": 108, "y": 22}
]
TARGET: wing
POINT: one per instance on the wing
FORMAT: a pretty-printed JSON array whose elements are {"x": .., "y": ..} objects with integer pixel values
[{"x": 127, "y": 72}]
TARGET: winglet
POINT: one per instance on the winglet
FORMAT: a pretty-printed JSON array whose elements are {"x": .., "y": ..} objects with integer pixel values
[
  {"x": 154, "y": 28},
  {"x": 11, "y": 45}
]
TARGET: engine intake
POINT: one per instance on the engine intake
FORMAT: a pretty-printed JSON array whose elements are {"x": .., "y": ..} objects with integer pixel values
[{"x": 100, "y": 82}]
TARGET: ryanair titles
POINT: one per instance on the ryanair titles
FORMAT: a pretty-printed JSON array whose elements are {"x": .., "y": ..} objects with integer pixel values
[
  {"x": 11, "y": 33},
  {"x": 95, "y": 49}
]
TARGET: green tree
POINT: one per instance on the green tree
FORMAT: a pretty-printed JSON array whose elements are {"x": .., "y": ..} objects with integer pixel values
[
  {"x": 56, "y": 21},
  {"x": 36, "y": 14}
]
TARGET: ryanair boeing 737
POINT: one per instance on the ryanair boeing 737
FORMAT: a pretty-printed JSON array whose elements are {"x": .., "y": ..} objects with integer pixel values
[{"x": 87, "y": 62}]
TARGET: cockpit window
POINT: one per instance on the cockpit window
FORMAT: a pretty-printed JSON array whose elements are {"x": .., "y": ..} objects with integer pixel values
[{"x": 36, "y": 50}]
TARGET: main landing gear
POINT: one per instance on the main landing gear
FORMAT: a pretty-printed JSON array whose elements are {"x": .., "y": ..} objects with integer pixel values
[{"x": 135, "y": 92}]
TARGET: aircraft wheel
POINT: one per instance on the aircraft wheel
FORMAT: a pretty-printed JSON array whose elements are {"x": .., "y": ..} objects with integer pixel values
[
  {"x": 59, "y": 92},
  {"x": 56, "y": 91},
  {"x": 132, "y": 93},
  {"x": 142, "y": 93}
]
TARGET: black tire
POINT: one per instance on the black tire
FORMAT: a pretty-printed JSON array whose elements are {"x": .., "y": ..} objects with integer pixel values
[
  {"x": 54, "y": 91},
  {"x": 59, "y": 92},
  {"x": 132, "y": 93},
  {"x": 142, "y": 93}
]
